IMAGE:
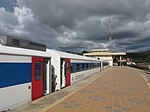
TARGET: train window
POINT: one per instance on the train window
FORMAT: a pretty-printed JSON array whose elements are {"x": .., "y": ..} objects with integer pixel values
[
  {"x": 38, "y": 70},
  {"x": 78, "y": 67},
  {"x": 87, "y": 66},
  {"x": 90, "y": 65},
  {"x": 71, "y": 68},
  {"x": 74, "y": 68},
  {"x": 82, "y": 66},
  {"x": 95, "y": 65}
]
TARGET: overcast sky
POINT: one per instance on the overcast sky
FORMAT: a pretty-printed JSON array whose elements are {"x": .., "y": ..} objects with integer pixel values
[{"x": 76, "y": 25}]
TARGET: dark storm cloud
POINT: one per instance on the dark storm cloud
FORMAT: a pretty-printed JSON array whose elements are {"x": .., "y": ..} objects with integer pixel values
[
  {"x": 66, "y": 12},
  {"x": 80, "y": 24},
  {"x": 138, "y": 46},
  {"x": 124, "y": 34}
]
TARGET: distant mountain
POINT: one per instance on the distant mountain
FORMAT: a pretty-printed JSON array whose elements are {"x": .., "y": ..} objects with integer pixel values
[{"x": 143, "y": 56}]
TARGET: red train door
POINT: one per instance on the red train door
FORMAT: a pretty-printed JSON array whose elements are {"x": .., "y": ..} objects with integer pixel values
[
  {"x": 37, "y": 77},
  {"x": 67, "y": 72}
]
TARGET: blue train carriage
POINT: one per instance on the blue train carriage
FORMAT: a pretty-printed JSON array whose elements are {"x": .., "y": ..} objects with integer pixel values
[
  {"x": 71, "y": 68},
  {"x": 24, "y": 72}
]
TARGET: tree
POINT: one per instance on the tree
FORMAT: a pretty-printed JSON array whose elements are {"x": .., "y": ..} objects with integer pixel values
[{"x": 84, "y": 51}]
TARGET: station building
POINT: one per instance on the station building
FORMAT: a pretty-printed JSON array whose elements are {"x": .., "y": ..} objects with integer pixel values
[{"x": 106, "y": 55}]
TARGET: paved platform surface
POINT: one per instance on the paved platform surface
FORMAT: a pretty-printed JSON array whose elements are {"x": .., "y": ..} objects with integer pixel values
[
  {"x": 120, "y": 89},
  {"x": 51, "y": 99}
]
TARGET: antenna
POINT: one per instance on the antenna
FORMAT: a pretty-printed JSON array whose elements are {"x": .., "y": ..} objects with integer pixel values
[{"x": 109, "y": 34}]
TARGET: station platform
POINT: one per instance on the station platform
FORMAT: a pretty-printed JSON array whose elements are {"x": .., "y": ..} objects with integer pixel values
[{"x": 116, "y": 89}]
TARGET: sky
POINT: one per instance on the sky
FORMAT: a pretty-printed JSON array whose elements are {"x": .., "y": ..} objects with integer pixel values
[{"x": 77, "y": 25}]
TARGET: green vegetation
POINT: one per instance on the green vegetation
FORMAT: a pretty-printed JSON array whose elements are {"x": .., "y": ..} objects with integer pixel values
[{"x": 140, "y": 57}]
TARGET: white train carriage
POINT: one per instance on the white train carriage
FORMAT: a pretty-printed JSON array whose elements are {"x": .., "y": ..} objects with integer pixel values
[
  {"x": 24, "y": 74},
  {"x": 71, "y": 68},
  {"x": 29, "y": 71}
]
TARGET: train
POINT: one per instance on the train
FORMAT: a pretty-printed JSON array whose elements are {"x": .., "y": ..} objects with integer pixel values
[{"x": 30, "y": 70}]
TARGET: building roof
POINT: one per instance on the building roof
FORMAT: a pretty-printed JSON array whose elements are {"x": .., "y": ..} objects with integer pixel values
[
  {"x": 118, "y": 54},
  {"x": 100, "y": 50},
  {"x": 104, "y": 54}
]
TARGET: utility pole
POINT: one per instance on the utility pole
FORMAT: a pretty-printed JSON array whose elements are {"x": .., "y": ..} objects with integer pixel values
[{"x": 109, "y": 34}]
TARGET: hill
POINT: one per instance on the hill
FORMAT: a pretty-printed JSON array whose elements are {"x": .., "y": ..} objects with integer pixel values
[{"x": 139, "y": 57}]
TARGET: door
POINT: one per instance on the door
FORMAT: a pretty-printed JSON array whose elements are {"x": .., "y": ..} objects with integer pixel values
[
  {"x": 63, "y": 73},
  {"x": 47, "y": 83},
  {"x": 67, "y": 72},
  {"x": 37, "y": 77}
]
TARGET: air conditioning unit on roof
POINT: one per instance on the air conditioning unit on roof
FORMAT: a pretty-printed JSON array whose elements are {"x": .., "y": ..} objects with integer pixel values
[{"x": 20, "y": 43}]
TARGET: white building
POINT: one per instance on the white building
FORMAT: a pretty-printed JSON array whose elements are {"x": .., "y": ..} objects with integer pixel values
[{"x": 104, "y": 54}]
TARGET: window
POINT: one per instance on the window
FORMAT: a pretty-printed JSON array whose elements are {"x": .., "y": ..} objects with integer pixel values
[
  {"x": 95, "y": 65},
  {"x": 71, "y": 68},
  {"x": 82, "y": 66},
  {"x": 38, "y": 70},
  {"x": 87, "y": 66},
  {"x": 78, "y": 67},
  {"x": 92, "y": 65}
]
